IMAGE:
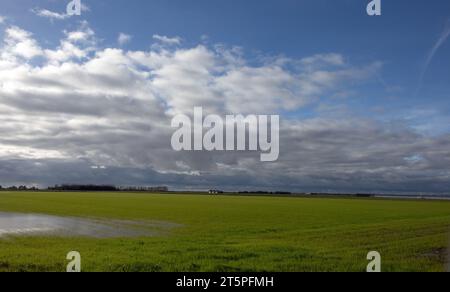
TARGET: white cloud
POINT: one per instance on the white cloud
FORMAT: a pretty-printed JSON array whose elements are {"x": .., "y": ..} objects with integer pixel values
[
  {"x": 322, "y": 60},
  {"x": 19, "y": 43},
  {"x": 50, "y": 14},
  {"x": 2, "y": 19},
  {"x": 83, "y": 35},
  {"x": 77, "y": 45},
  {"x": 84, "y": 7},
  {"x": 166, "y": 40},
  {"x": 123, "y": 39},
  {"x": 333, "y": 59}
]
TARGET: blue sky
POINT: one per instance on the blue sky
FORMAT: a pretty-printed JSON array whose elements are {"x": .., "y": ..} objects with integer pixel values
[
  {"x": 368, "y": 74},
  {"x": 401, "y": 38}
]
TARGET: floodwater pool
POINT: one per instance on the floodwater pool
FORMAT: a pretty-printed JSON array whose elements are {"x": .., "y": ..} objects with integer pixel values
[{"x": 17, "y": 224}]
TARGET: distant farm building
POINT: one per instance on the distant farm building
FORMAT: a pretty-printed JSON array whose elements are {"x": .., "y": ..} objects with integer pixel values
[{"x": 215, "y": 192}]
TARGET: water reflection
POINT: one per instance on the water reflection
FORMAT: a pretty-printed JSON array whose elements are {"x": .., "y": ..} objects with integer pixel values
[{"x": 15, "y": 224}]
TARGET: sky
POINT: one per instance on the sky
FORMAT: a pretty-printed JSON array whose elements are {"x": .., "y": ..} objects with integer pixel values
[{"x": 363, "y": 101}]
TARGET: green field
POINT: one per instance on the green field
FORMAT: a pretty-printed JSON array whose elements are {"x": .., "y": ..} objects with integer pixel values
[{"x": 227, "y": 233}]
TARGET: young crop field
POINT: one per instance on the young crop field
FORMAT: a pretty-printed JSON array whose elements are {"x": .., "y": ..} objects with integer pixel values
[{"x": 228, "y": 233}]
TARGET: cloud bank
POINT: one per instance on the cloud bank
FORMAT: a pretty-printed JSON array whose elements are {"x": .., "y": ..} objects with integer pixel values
[{"x": 66, "y": 109}]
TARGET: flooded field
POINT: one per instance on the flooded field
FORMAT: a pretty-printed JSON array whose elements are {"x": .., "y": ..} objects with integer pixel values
[{"x": 16, "y": 224}]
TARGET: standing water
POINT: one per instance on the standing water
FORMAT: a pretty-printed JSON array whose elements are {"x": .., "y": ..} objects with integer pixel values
[{"x": 16, "y": 224}]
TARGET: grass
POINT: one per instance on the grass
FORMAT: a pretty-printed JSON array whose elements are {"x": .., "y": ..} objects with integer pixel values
[{"x": 227, "y": 233}]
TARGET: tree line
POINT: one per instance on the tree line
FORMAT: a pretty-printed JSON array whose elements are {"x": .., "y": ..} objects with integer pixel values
[{"x": 88, "y": 187}]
